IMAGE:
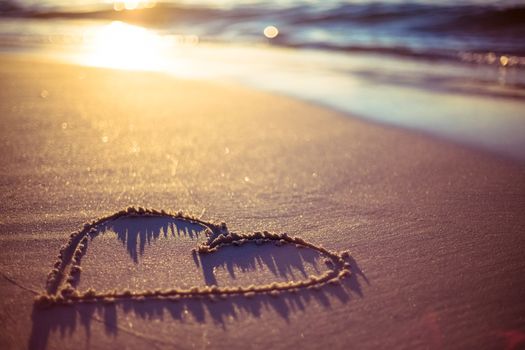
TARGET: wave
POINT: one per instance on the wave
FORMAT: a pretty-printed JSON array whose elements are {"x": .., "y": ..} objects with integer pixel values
[
  {"x": 421, "y": 30},
  {"x": 449, "y": 17}
]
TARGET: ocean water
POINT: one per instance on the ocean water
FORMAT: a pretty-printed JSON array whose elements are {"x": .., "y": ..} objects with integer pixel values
[
  {"x": 456, "y": 30},
  {"x": 454, "y": 69}
]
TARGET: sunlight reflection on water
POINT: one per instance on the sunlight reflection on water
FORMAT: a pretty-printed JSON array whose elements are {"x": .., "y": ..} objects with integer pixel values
[
  {"x": 133, "y": 4},
  {"x": 124, "y": 46}
]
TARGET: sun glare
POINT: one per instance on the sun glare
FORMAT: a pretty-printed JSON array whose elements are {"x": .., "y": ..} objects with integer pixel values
[
  {"x": 133, "y": 4},
  {"x": 124, "y": 46}
]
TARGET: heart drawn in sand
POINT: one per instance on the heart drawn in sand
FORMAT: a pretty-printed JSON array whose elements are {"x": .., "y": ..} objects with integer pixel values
[{"x": 61, "y": 286}]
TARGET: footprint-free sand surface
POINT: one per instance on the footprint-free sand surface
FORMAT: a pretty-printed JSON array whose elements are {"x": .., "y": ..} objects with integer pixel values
[{"x": 435, "y": 230}]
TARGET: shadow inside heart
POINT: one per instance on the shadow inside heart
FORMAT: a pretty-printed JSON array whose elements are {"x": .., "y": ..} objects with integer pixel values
[
  {"x": 136, "y": 232},
  {"x": 253, "y": 264},
  {"x": 137, "y": 253}
]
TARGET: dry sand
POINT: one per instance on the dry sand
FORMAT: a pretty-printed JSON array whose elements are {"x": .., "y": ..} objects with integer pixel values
[{"x": 435, "y": 229}]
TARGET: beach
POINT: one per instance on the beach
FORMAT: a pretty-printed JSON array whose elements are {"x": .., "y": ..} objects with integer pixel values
[{"x": 434, "y": 228}]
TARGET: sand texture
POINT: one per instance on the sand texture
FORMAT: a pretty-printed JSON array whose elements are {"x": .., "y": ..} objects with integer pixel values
[{"x": 435, "y": 230}]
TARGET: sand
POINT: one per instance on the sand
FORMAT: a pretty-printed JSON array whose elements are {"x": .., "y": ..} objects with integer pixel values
[{"x": 435, "y": 230}]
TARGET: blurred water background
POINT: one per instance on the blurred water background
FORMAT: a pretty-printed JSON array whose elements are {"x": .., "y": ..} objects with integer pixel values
[{"x": 454, "y": 69}]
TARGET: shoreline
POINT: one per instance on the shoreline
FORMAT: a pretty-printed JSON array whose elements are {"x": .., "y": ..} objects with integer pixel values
[
  {"x": 434, "y": 229},
  {"x": 496, "y": 135}
]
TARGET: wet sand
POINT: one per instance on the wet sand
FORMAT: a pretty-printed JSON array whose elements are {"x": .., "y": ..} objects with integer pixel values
[{"x": 435, "y": 230}]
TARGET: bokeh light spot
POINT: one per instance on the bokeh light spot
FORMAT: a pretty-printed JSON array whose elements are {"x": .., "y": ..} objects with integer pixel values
[{"x": 271, "y": 32}]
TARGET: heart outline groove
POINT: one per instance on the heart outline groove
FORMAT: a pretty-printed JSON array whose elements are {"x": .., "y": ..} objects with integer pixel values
[{"x": 66, "y": 270}]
